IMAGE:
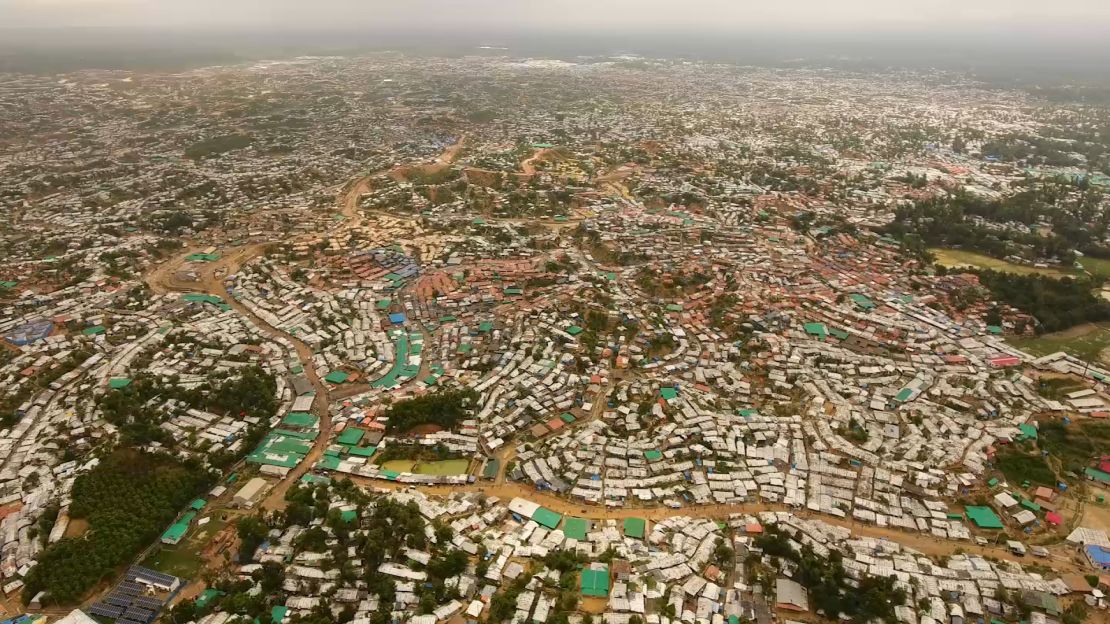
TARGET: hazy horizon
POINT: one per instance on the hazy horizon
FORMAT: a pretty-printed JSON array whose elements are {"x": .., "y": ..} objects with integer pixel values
[
  {"x": 1062, "y": 19},
  {"x": 1003, "y": 36}
]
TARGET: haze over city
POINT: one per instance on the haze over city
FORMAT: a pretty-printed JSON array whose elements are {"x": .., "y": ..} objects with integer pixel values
[{"x": 560, "y": 312}]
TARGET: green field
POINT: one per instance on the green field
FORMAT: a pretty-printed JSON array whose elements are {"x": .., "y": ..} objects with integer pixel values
[
  {"x": 953, "y": 258},
  {"x": 1085, "y": 342},
  {"x": 180, "y": 561},
  {"x": 1098, "y": 267},
  {"x": 437, "y": 468},
  {"x": 184, "y": 560}
]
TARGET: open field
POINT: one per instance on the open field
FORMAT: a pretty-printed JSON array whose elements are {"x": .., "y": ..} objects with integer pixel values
[
  {"x": 1099, "y": 267},
  {"x": 1087, "y": 342},
  {"x": 955, "y": 258},
  {"x": 438, "y": 468},
  {"x": 186, "y": 559},
  {"x": 1097, "y": 515},
  {"x": 180, "y": 561}
]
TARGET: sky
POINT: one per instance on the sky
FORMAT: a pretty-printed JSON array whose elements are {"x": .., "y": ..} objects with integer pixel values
[{"x": 1060, "y": 19}]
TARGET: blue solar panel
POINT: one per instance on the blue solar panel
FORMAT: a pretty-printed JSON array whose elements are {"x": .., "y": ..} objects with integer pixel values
[
  {"x": 128, "y": 587},
  {"x": 104, "y": 610},
  {"x": 147, "y": 602},
  {"x": 151, "y": 575},
  {"x": 139, "y": 615},
  {"x": 118, "y": 601}
]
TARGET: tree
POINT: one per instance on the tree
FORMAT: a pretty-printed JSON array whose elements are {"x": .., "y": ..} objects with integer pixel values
[{"x": 252, "y": 531}]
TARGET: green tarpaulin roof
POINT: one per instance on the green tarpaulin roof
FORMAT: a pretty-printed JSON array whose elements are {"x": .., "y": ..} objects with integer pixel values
[
  {"x": 299, "y": 419},
  {"x": 816, "y": 329},
  {"x": 575, "y": 528},
  {"x": 350, "y": 436},
  {"x": 862, "y": 301},
  {"x": 175, "y": 532},
  {"x": 1097, "y": 475},
  {"x": 547, "y": 518},
  {"x": 206, "y": 597},
  {"x": 635, "y": 527},
  {"x": 983, "y": 517},
  {"x": 328, "y": 462},
  {"x": 595, "y": 583},
  {"x": 362, "y": 451},
  {"x": 336, "y": 377}
]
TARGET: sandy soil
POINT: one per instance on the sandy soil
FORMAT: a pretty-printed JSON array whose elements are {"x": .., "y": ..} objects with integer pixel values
[
  {"x": 1096, "y": 516},
  {"x": 76, "y": 527}
]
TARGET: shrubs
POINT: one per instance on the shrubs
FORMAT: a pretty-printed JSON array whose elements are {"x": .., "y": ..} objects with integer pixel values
[{"x": 128, "y": 499}]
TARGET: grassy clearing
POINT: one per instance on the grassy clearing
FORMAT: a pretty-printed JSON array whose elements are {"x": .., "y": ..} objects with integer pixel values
[
  {"x": 437, "y": 468},
  {"x": 185, "y": 560},
  {"x": 1085, "y": 342},
  {"x": 954, "y": 258},
  {"x": 180, "y": 561},
  {"x": 1019, "y": 466},
  {"x": 1099, "y": 267},
  {"x": 1076, "y": 444}
]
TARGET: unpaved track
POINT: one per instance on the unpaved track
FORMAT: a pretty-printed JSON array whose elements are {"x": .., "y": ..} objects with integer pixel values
[
  {"x": 211, "y": 281},
  {"x": 926, "y": 544}
]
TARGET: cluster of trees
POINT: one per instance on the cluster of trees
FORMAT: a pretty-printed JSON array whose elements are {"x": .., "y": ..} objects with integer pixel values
[
  {"x": 1072, "y": 210},
  {"x": 249, "y": 392},
  {"x": 381, "y": 530},
  {"x": 444, "y": 409},
  {"x": 1055, "y": 303},
  {"x": 873, "y": 598},
  {"x": 1019, "y": 466},
  {"x": 127, "y": 500}
]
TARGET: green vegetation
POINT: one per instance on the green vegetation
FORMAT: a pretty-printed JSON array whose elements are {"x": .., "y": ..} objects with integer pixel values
[
  {"x": 1074, "y": 445},
  {"x": 248, "y": 393},
  {"x": 873, "y": 598},
  {"x": 1071, "y": 209},
  {"x": 128, "y": 499},
  {"x": 1019, "y": 466},
  {"x": 1056, "y": 303},
  {"x": 446, "y": 467},
  {"x": 1086, "y": 342},
  {"x": 443, "y": 409},
  {"x": 356, "y": 543},
  {"x": 217, "y": 145},
  {"x": 960, "y": 258}
]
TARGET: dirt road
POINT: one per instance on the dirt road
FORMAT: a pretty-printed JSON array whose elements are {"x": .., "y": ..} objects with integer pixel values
[
  {"x": 211, "y": 280},
  {"x": 926, "y": 544}
]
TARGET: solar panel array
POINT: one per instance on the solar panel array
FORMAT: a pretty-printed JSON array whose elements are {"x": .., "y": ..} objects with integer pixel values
[
  {"x": 146, "y": 602},
  {"x": 136, "y": 572},
  {"x": 104, "y": 610},
  {"x": 127, "y": 604}
]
